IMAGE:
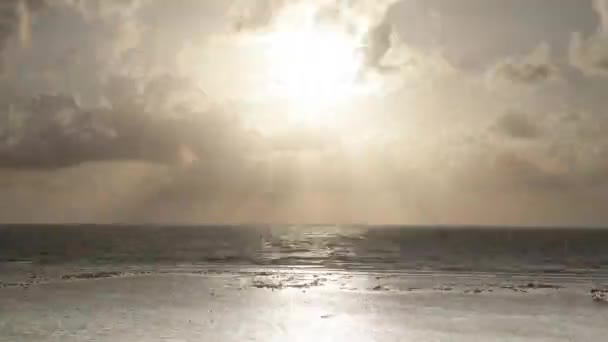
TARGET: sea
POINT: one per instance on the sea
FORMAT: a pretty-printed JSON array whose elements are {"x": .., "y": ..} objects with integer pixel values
[{"x": 557, "y": 251}]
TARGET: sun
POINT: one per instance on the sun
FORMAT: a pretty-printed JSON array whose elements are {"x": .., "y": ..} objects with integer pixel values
[{"x": 313, "y": 67}]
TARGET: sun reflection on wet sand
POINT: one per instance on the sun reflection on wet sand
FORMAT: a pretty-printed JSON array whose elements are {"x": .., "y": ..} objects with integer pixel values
[{"x": 291, "y": 306}]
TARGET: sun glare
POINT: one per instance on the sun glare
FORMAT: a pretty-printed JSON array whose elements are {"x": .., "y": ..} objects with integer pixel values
[{"x": 313, "y": 67}]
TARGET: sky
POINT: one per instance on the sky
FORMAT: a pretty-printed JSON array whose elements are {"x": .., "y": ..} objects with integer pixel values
[{"x": 293, "y": 111}]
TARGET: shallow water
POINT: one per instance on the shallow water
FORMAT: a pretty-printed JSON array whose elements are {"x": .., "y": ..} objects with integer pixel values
[{"x": 233, "y": 307}]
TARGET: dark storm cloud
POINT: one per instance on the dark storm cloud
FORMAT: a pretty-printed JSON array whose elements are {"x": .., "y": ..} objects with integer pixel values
[
  {"x": 52, "y": 131},
  {"x": 517, "y": 125},
  {"x": 58, "y": 133}
]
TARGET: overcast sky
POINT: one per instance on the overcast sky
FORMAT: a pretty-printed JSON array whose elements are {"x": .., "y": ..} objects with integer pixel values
[{"x": 485, "y": 112}]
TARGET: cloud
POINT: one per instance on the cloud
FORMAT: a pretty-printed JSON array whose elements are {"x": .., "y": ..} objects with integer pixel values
[
  {"x": 517, "y": 125},
  {"x": 564, "y": 153},
  {"x": 16, "y": 15},
  {"x": 419, "y": 66},
  {"x": 534, "y": 68},
  {"x": 516, "y": 170},
  {"x": 590, "y": 54},
  {"x": 101, "y": 125},
  {"x": 93, "y": 9},
  {"x": 73, "y": 50},
  {"x": 56, "y": 132},
  {"x": 368, "y": 21},
  {"x": 378, "y": 44},
  {"x": 53, "y": 131},
  {"x": 15, "y": 18},
  {"x": 91, "y": 89},
  {"x": 256, "y": 14}
]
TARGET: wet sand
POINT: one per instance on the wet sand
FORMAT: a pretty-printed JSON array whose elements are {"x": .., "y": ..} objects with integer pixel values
[{"x": 291, "y": 305}]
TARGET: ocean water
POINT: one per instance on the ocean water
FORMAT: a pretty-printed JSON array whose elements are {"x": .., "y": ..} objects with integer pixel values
[{"x": 576, "y": 251}]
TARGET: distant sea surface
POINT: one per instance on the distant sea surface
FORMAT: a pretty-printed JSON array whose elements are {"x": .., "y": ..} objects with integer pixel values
[{"x": 576, "y": 251}]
